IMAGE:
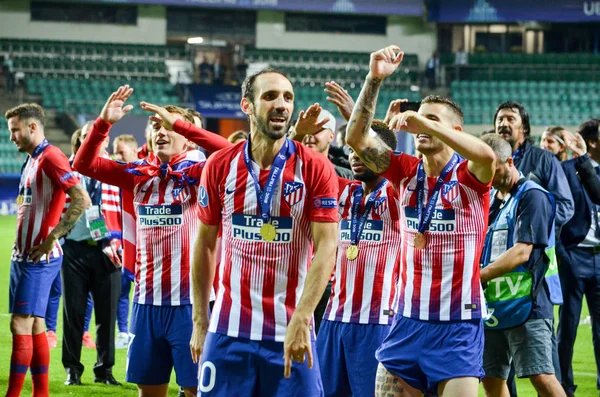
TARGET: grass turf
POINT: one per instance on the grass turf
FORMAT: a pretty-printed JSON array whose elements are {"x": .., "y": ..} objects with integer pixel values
[{"x": 583, "y": 361}]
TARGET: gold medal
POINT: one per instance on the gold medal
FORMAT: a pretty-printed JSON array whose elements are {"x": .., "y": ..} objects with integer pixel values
[
  {"x": 268, "y": 232},
  {"x": 20, "y": 199},
  {"x": 420, "y": 241},
  {"x": 352, "y": 252}
]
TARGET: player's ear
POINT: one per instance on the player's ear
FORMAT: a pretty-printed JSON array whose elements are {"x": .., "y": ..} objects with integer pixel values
[
  {"x": 247, "y": 107},
  {"x": 458, "y": 128}
]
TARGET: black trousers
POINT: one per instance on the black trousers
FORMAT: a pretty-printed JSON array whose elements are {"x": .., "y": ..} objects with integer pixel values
[
  {"x": 86, "y": 268},
  {"x": 579, "y": 277}
]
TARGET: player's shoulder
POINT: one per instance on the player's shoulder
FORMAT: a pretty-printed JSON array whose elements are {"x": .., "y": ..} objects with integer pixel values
[
  {"x": 53, "y": 153},
  {"x": 225, "y": 155},
  {"x": 408, "y": 162}
]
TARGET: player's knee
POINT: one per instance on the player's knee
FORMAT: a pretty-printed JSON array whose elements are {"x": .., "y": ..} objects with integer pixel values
[
  {"x": 21, "y": 324},
  {"x": 543, "y": 381}
]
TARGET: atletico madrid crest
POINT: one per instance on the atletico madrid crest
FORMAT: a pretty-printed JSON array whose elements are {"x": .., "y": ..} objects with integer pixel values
[
  {"x": 380, "y": 205},
  {"x": 293, "y": 192},
  {"x": 451, "y": 190}
]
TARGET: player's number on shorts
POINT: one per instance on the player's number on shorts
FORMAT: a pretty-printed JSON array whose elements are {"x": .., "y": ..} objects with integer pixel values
[{"x": 212, "y": 377}]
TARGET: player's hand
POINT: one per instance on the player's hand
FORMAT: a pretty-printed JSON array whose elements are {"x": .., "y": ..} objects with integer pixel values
[
  {"x": 164, "y": 118},
  {"x": 393, "y": 109},
  {"x": 45, "y": 248},
  {"x": 197, "y": 342},
  {"x": 575, "y": 142},
  {"x": 113, "y": 109},
  {"x": 307, "y": 123},
  {"x": 385, "y": 61},
  {"x": 409, "y": 121},
  {"x": 296, "y": 345},
  {"x": 340, "y": 98}
]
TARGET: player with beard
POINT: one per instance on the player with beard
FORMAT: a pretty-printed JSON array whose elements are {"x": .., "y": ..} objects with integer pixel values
[
  {"x": 274, "y": 200},
  {"x": 444, "y": 202},
  {"x": 363, "y": 298}
]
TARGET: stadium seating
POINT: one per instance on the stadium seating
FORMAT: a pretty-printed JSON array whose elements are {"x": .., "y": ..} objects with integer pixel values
[
  {"x": 548, "y": 102},
  {"x": 315, "y": 67},
  {"x": 10, "y": 160},
  {"x": 87, "y": 95},
  {"x": 58, "y": 58},
  {"x": 513, "y": 59}
]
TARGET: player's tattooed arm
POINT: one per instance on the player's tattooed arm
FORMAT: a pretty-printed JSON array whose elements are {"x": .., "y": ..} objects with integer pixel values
[
  {"x": 374, "y": 153},
  {"x": 80, "y": 200}
]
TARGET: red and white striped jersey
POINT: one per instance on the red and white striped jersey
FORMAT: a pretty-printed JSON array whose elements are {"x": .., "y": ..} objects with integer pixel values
[
  {"x": 165, "y": 206},
  {"x": 45, "y": 178},
  {"x": 364, "y": 289},
  {"x": 261, "y": 282},
  {"x": 442, "y": 281}
]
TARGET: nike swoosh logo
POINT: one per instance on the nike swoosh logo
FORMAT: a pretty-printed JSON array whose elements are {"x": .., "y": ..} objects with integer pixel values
[
  {"x": 22, "y": 303},
  {"x": 229, "y": 191}
]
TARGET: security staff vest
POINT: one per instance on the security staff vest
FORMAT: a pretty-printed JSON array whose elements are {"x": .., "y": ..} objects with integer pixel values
[{"x": 510, "y": 297}]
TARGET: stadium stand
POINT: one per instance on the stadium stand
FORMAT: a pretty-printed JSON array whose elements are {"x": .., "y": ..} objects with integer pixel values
[{"x": 10, "y": 160}]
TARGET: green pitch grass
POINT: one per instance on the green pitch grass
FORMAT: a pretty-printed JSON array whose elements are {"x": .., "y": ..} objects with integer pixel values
[{"x": 583, "y": 362}]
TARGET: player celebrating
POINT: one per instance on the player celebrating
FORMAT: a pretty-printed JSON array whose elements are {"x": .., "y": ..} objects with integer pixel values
[
  {"x": 164, "y": 186},
  {"x": 273, "y": 198},
  {"x": 444, "y": 203},
  {"x": 363, "y": 297},
  {"x": 36, "y": 258}
]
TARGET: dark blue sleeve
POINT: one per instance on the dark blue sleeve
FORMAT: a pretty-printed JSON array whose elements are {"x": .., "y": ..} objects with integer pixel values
[
  {"x": 556, "y": 183},
  {"x": 534, "y": 215}
]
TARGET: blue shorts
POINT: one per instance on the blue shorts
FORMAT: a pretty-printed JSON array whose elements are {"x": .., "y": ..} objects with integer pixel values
[
  {"x": 160, "y": 340},
  {"x": 30, "y": 285},
  {"x": 425, "y": 353},
  {"x": 347, "y": 357},
  {"x": 243, "y": 367}
]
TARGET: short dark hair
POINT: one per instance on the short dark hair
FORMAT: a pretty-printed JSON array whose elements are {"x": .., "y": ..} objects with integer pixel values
[
  {"x": 248, "y": 91},
  {"x": 522, "y": 112},
  {"x": 589, "y": 130},
  {"x": 448, "y": 102},
  {"x": 27, "y": 111},
  {"x": 384, "y": 133},
  {"x": 76, "y": 141}
]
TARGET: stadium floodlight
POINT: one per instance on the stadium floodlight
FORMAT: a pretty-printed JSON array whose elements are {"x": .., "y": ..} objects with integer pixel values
[{"x": 195, "y": 40}]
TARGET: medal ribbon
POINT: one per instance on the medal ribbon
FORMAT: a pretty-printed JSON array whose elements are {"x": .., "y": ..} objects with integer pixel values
[
  {"x": 265, "y": 197},
  {"x": 357, "y": 221},
  {"x": 425, "y": 217}
]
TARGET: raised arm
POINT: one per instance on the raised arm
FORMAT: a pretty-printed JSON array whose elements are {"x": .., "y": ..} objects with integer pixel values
[
  {"x": 373, "y": 153},
  {"x": 297, "y": 338},
  {"x": 201, "y": 137},
  {"x": 203, "y": 274},
  {"x": 88, "y": 160}
]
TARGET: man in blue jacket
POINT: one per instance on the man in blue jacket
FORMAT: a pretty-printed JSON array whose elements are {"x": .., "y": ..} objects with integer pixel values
[
  {"x": 511, "y": 122},
  {"x": 580, "y": 266}
]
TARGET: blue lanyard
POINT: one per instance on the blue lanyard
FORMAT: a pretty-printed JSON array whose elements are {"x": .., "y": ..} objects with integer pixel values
[
  {"x": 265, "y": 198},
  {"x": 358, "y": 222},
  {"x": 36, "y": 152},
  {"x": 425, "y": 218}
]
